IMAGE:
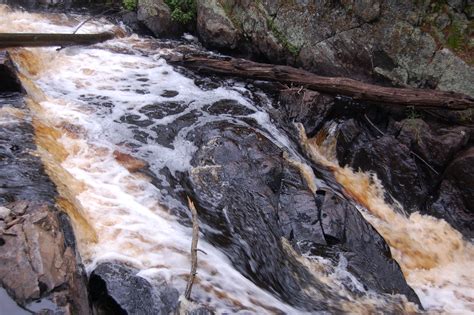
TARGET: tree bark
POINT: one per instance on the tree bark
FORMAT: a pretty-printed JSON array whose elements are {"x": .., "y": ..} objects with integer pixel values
[
  {"x": 331, "y": 85},
  {"x": 8, "y": 40}
]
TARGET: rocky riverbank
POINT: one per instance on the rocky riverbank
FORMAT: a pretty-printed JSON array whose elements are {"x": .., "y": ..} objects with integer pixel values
[
  {"x": 257, "y": 205},
  {"x": 39, "y": 264},
  {"x": 406, "y": 43}
]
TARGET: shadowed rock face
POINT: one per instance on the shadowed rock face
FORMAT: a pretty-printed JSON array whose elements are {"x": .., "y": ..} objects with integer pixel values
[
  {"x": 8, "y": 79},
  {"x": 116, "y": 289},
  {"x": 454, "y": 201},
  {"x": 422, "y": 158},
  {"x": 417, "y": 43},
  {"x": 246, "y": 190}
]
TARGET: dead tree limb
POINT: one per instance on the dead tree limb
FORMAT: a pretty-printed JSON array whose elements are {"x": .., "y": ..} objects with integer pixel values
[
  {"x": 8, "y": 40},
  {"x": 333, "y": 85},
  {"x": 194, "y": 242}
]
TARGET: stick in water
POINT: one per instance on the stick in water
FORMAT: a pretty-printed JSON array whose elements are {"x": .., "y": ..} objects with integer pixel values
[{"x": 194, "y": 242}]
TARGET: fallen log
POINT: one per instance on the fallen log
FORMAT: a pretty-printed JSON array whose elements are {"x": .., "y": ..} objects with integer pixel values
[
  {"x": 332, "y": 85},
  {"x": 8, "y": 40}
]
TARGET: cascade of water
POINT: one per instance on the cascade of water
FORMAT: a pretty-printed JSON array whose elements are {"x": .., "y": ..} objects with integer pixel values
[
  {"x": 434, "y": 257},
  {"x": 104, "y": 112}
]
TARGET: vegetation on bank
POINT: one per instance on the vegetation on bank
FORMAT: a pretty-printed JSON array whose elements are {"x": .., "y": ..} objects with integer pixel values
[
  {"x": 449, "y": 29},
  {"x": 182, "y": 11},
  {"x": 130, "y": 5}
]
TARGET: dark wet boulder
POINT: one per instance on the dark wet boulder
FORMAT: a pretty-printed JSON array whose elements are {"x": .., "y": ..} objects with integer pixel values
[
  {"x": 9, "y": 82},
  {"x": 117, "y": 289},
  {"x": 409, "y": 157},
  {"x": 454, "y": 200},
  {"x": 436, "y": 145},
  {"x": 22, "y": 176},
  {"x": 367, "y": 253},
  {"x": 234, "y": 181},
  {"x": 387, "y": 157},
  {"x": 307, "y": 107},
  {"x": 246, "y": 189}
]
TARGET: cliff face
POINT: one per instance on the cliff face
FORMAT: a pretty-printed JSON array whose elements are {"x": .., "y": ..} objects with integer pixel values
[
  {"x": 416, "y": 43},
  {"x": 425, "y": 43}
]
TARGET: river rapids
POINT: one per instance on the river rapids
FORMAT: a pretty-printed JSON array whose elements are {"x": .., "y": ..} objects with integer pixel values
[{"x": 104, "y": 112}]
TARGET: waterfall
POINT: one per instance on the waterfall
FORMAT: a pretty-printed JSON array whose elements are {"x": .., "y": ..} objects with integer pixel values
[{"x": 103, "y": 114}]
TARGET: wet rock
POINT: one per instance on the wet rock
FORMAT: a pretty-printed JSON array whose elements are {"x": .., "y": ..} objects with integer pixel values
[
  {"x": 156, "y": 16},
  {"x": 368, "y": 255},
  {"x": 8, "y": 79},
  {"x": 165, "y": 134},
  {"x": 131, "y": 20},
  {"x": 22, "y": 176},
  {"x": 36, "y": 263},
  {"x": 408, "y": 158},
  {"x": 454, "y": 200},
  {"x": 244, "y": 188},
  {"x": 307, "y": 107},
  {"x": 169, "y": 93},
  {"x": 388, "y": 158},
  {"x": 116, "y": 289},
  {"x": 229, "y": 107},
  {"x": 438, "y": 146}
]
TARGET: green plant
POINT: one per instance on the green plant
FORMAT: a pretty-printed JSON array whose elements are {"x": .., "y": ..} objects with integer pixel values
[
  {"x": 456, "y": 38},
  {"x": 412, "y": 113},
  {"x": 182, "y": 11},
  {"x": 294, "y": 50},
  {"x": 466, "y": 116},
  {"x": 130, "y": 5}
]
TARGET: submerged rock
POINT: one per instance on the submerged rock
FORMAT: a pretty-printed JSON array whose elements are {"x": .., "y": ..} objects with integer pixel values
[{"x": 117, "y": 289}]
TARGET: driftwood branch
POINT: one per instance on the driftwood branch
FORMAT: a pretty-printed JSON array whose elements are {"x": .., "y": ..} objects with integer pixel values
[
  {"x": 8, "y": 40},
  {"x": 332, "y": 85},
  {"x": 194, "y": 242}
]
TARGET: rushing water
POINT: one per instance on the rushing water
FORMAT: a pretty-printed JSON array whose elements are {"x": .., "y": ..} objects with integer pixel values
[{"x": 97, "y": 122}]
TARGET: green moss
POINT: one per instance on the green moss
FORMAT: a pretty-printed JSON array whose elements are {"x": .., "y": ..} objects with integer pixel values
[
  {"x": 229, "y": 12},
  {"x": 282, "y": 39},
  {"x": 412, "y": 113},
  {"x": 466, "y": 116},
  {"x": 182, "y": 11},
  {"x": 455, "y": 36},
  {"x": 130, "y": 5}
]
